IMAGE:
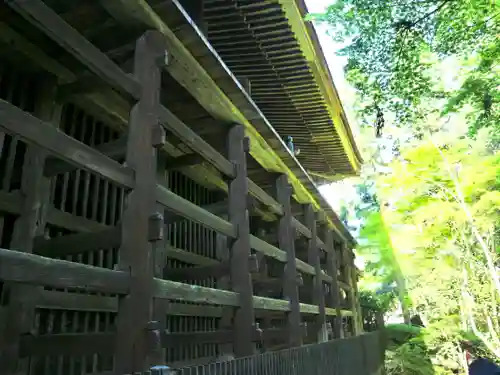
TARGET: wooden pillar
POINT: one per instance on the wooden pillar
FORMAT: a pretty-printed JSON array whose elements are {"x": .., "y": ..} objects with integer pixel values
[
  {"x": 286, "y": 241},
  {"x": 159, "y": 249},
  {"x": 263, "y": 264},
  {"x": 31, "y": 222},
  {"x": 241, "y": 281},
  {"x": 332, "y": 265},
  {"x": 320, "y": 330},
  {"x": 224, "y": 283},
  {"x": 348, "y": 274},
  {"x": 140, "y": 224},
  {"x": 353, "y": 281}
]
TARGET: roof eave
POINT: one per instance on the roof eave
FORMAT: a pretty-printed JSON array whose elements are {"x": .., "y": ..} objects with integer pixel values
[{"x": 311, "y": 48}]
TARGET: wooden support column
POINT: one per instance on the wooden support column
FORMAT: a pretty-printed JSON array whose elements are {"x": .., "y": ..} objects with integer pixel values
[
  {"x": 287, "y": 243},
  {"x": 263, "y": 273},
  {"x": 241, "y": 281},
  {"x": 140, "y": 223},
  {"x": 348, "y": 259},
  {"x": 224, "y": 283},
  {"x": 160, "y": 305},
  {"x": 320, "y": 330},
  {"x": 31, "y": 222},
  {"x": 332, "y": 265},
  {"x": 353, "y": 282}
]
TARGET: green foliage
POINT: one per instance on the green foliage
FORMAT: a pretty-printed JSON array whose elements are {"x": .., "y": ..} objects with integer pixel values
[
  {"x": 434, "y": 350},
  {"x": 377, "y": 301},
  {"x": 431, "y": 216},
  {"x": 394, "y": 46}
]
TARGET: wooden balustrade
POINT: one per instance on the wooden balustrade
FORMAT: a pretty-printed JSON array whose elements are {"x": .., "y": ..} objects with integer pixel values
[{"x": 136, "y": 290}]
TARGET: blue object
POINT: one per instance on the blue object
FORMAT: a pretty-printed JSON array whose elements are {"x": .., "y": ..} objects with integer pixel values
[
  {"x": 483, "y": 366},
  {"x": 289, "y": 144}
]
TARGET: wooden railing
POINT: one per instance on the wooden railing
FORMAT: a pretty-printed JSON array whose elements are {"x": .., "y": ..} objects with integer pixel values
[{"x": 140, "y": 280}]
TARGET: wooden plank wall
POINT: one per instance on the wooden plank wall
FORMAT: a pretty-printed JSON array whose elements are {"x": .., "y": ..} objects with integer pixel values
[{"x": 133, "y": 249}]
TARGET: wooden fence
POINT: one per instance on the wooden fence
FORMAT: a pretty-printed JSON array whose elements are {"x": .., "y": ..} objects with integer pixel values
[{"x": 107, "y": 252}]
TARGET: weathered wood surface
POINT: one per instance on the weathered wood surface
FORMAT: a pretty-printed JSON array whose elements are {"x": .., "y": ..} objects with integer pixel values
[
  {"x": 287, "y": 243},
  {"x": 68, "y": 38},
  {"x": 41, "y": 134},
  {"x": 31, "y": 269},
  {"x": 30, "y": 223},
  {"x": 313, "y": 254},
  {"x": 105, "y": 203},
  {"x": 241, "y": 280},
  {"x": 136, "y": 252}
]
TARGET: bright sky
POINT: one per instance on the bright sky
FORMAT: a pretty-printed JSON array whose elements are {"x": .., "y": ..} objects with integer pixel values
[{"x": 334, "y": 194}]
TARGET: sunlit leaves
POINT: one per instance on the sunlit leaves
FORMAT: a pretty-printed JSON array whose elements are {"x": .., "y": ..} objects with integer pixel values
[{"x": 392, "y": 47}]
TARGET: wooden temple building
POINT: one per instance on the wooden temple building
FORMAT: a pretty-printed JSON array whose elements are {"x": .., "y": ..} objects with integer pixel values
[{"x": 150, "y": 211}]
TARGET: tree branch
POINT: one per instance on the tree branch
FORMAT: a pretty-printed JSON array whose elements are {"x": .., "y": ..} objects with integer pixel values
[{"x": 431, "y": 12}]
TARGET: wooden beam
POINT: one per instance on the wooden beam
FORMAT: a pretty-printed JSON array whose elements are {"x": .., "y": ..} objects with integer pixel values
[
  {"x": 51, "y": 299},
  {"x": 301, "y": 228},
  {"x": 175, "y": 291},
  {"x": 263, "y": 197},
  {"x": 216, "y": 270},
  {"x": 267, "y": 249},
  {"x": 12, "y": 203},
  {"x": 218, "y": 208},
  {"x": 287, "y": 243},
  {"x": 241, "y": 282},
  {"x": 195, "y": 142},
  {"x": 78, "y": 243},
  {"x": 41, "y": 16},
  {"x": 189, "y": 257},
  {"x": 83, "y": 85},
  {"x": 115, "y": 150},
  {"x": 196, "y": 273},
  {"x": 139, "y": 227},
  {"x": 42, "y": 134},
  {"x": 70, "y": 344},
  {"x": 184, "y": 161},
  {"x": 191, "y": 211},
  {"x": 32, "y": 269},
  {"x": 73, "y": 223},
  {"x": 193, "y": 293}
]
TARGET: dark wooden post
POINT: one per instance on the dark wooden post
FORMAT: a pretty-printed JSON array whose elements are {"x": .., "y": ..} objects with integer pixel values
[
  {"x": 224, "y": 283},
  {"x": 348, "y": 274},
  {"x": 31, "y": 222},
  {"x": 241, "y": 281},
  {"x": 353, "y": 281},
  {"x": 140, "y": 223},
  {"x": 286, "y": 241},
  {"x": 317, "y": 287},
  {"x": 160, "y": 305},
  {"x": 332, "y": 264}
]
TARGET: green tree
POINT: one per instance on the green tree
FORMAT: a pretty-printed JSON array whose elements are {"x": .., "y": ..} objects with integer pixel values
[
  {"x": 390, "y": 46},
  {"x": 444, "y": 217}
]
